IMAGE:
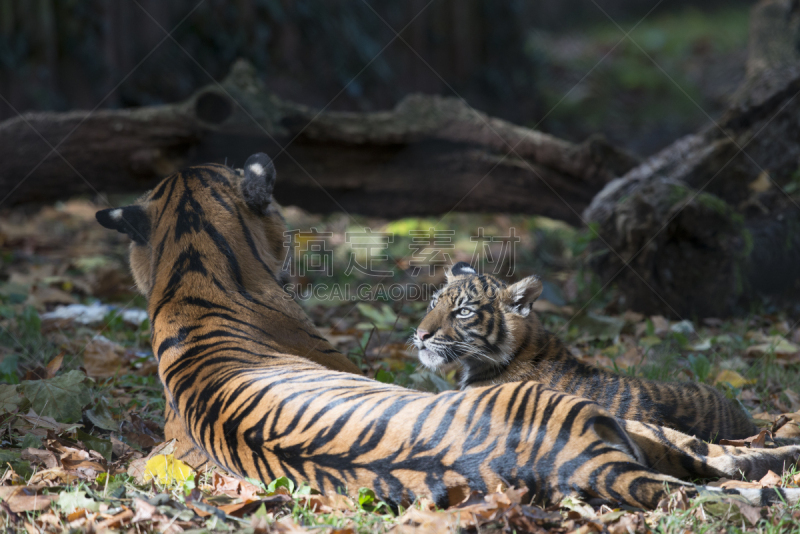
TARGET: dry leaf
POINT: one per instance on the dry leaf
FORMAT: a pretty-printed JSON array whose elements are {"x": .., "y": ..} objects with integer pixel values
[
  {"x": 770, "y": 480},
  {"x": 759, "y": 440},
  {"x": 49, "y": 519},
  {"x": 199, "y": 511},
  {"x": 26, "y": 499},
  {"x": 80, "y": 463},
  {"x": 114, "y": 521},
  {"x": 119, "y": 449},
  {"x": 39, "y": 456},
  {"x": 54, "y": 365},
  {"x": 56, "y": 476},
  {"x": 241, "y": 509},
  {"x": 738, "y": 484},
  {"x": 751, "y": 513},
  {"x": 80, "y": 513},
  {"x": 103, "y": 358},
  {"x": 629, "y": 524},
  {"x": 421, "y": 521},
  {"x": 755, "y": 442},
  {"x": 325, "y": 504},
  {"x": 140, "y": 432},
  {"x": 234, "y": 487},
  {"x": 144, "y": 511},
  {"x": 790, "y": 430}
]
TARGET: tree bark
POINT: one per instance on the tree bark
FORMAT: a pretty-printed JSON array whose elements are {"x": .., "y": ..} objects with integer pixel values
[
  {"x": 429, "y": 155},
  {"x": 712, "y": 222}
]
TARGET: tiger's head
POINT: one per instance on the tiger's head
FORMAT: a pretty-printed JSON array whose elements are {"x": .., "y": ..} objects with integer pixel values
[
  {"x": 207, "y": 250},
  {"x": 477, "y": 321},
  {"x": 232, "y": 210}
]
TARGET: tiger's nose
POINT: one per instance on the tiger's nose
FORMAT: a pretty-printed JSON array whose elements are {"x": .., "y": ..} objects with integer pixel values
[{"x": 423, "y": 334}]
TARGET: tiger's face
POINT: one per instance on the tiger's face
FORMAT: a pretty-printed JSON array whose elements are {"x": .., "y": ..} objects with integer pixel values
[
  {"x": 211, "y": 199},
  {"x": 475, "y": 320}
]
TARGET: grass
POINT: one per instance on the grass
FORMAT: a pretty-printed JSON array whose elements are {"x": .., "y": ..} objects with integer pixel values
[{"x": 374, "y": 333}]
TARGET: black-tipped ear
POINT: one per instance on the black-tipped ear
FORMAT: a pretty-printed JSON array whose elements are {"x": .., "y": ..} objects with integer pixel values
[
  {"x": 259, "y": 181},
  {"x": 521, "y": 296},
  {"x": 131, "y": 220},
  {"x": 461, "y": 268}
]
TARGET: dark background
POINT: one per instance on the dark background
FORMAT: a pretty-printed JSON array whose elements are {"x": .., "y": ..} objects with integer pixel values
[{"x": 534, "y": 63}]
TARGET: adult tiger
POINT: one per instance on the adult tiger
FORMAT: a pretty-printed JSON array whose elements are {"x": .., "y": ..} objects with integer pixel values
[
  {"x": 259, "y": 391},
  {"x": 492, "y": 331}
]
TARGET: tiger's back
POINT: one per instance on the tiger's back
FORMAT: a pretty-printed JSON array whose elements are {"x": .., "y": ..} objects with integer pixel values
[{"x": 502, "y": 340}]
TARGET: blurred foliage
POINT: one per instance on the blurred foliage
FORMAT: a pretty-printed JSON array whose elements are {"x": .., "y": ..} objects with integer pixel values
[{"x": 672, "y": 73}]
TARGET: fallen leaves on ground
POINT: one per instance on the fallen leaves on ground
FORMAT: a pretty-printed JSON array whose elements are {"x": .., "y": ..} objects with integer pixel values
[
  {"x": 83, "y": 445},
  {"x": 501, "y": 510}
]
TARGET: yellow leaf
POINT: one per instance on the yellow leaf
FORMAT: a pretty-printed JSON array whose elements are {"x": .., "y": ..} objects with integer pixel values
[
  {"x": 733, "y": 378},
  {"x": 165, "y": 468}
]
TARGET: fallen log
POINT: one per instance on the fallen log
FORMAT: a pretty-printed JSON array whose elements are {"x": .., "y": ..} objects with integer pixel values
[
  {"x": 429, "y": 155},
  {"x": 711, "y": 224}
]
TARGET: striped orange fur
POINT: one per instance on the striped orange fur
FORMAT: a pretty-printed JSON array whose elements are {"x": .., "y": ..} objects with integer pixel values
[
  {"x": 491, "y": 330},
  {"x": 251, "y": 383}
]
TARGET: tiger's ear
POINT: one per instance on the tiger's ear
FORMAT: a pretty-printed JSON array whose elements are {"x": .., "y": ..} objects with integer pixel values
[
  {"x": 258, "y": 182},
  {"x": 461, "y": 268},
  {"x": 131, "y": 220},
  {"x": 520, "y": 297}
]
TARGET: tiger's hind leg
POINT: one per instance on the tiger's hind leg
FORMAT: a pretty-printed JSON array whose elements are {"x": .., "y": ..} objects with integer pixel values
[
  {"x": 679, "y": 455},
  {"x": 640, "y": 464},
  {"x": 585, "y": 451},
  {"x": 185, "y": 448}
]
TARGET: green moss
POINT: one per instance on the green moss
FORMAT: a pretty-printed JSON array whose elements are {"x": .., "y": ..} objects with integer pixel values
[
  {"x": 677, "y": 193},
  {"x": 714, "y": 203}
]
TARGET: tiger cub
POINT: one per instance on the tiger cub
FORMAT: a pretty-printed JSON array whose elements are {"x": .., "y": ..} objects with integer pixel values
[{"x": 491, "y": 331}]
